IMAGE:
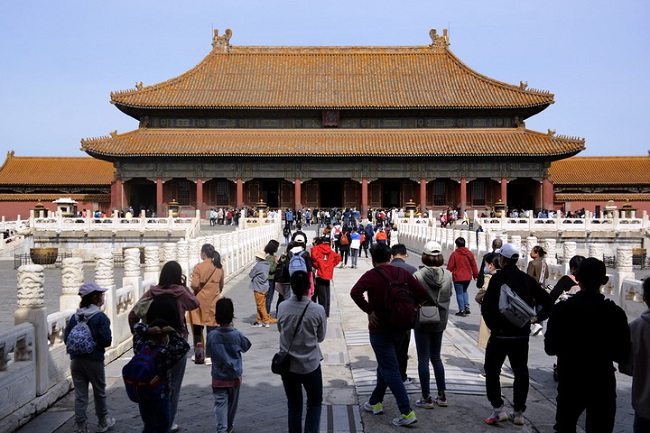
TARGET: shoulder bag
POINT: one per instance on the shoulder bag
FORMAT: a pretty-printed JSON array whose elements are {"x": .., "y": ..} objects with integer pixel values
[
  {"x": 281, "y": 360},
  {"x": 429, "y": 314}
]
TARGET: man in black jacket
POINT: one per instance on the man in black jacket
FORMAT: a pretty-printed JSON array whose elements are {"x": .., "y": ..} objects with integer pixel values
[
  {"x": 587, "y": 333},
  {"x": 508, "y": 339}
]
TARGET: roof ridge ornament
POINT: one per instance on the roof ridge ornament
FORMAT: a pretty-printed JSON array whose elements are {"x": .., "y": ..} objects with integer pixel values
[
  {"x": 523, "y": 85},
  {"x": 138, "y": 86},
  {"x": 222, "y": 43},
  {"x": 437, "y": 40}
]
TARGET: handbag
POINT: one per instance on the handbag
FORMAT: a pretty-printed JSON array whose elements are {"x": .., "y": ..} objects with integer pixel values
[
  {"x": 281, "y": 360},
  {"x": 202, "y": 285},
  {"x": 428, "y": 315}
]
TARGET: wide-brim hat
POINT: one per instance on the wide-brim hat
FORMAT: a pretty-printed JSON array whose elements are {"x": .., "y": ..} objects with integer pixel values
[{"x": 260, "y": 255}]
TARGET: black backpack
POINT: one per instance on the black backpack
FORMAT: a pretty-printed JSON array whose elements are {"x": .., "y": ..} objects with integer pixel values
[
  {"x": 165, "y": 307},
  {"x": 400, "y": 308},
  {"x": 281, "y": 274}
]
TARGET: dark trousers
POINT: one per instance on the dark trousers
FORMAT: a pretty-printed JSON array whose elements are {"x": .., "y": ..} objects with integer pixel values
[
  {"x": 313, "y": 384},
  {"x": 594, "y": 392},
  {"x": 516, "y": 349},
  {"x": 156, "y": 415},
  {"x": 322, "y": 294},
  {"x": 403, "y": 354}
]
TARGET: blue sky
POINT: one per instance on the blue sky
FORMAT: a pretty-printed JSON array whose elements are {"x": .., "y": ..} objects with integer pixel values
[{"x": 59, "y": 60}]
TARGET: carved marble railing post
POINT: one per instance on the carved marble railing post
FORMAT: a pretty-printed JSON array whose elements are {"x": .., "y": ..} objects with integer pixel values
[
  {"x": 489, "y": 238},
  {"x": 550, "y": 245},
  {"x": 569, "y": 251},
  {"x": 482, "y": 245},
  {"x": 31, "y": 309},
  {"x": 169, "y": 252},
  {"x": 151, "y": 264},
  {"x": 72, "y": 277},
  {"x": 105, "y": 277},
  {"x": 181, "y": 255},
  {"x": 132, "y": 268},
  {"x": 193, "y": 252},
  {"x": 597, "y": 251},
  {"x": 624, "y": 270}
]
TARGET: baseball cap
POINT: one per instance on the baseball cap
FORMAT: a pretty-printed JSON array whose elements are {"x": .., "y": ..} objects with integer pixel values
[
  {"x": 508, "y": 251},
  {"x": 87, "y": 288},
  {"x": 432, "y": 248}
]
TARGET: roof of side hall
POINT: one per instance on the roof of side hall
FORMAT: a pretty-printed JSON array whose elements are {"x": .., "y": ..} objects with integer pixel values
[
  {"x": 258, "y": 77},
  {"x": 42, "y": 170},
  {"x": 608, "y": 170}
]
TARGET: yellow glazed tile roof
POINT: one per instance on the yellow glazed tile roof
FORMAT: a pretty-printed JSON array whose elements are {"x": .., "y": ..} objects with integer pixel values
[
  {"x": 631, "y": 197},
  {"x": 608, "y": 170},
  {"x": 495, "y": 142},
  {"x": 332, "y": 78},
  {"x": 42, "y": 170}
]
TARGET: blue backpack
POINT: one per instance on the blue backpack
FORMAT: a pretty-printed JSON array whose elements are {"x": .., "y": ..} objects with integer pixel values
[
  {"x": 297, "y": 263},
  {"x": 80, "y": 340},
  {"x": 141, "y": 379}
]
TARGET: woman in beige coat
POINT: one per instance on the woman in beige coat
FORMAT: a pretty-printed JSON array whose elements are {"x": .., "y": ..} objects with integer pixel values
[
  {"x": 491, "y": 267},
  {"x": 207, "y": 283}
]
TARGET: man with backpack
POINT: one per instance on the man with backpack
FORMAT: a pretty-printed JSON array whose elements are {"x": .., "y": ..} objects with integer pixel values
[
  {"x": 324, "y": 260},
  {"x": 393, "y": 298},
  {"x": 508, "y": 338}
]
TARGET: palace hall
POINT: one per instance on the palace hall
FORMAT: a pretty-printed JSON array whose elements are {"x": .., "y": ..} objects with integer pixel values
[{"x": 329, "y": 126}]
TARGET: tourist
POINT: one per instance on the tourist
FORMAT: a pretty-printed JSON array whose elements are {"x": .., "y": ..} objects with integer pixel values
[
  {"x": 599, "y": 335},
  {"x": 299, "y": 235},
  {"x": 538, "y": 269},
  {"x": 462, "y": 266},
  {"x": 226, "y": 344},
  {"x": 490, "y": 268},
  {"x": 169, "y": 300},
  {"x": 302, "y": 325},
  {"x": 324, "y": 260},
  {"x": 157, "y": 415},
  {"x": 507, "y": 339},
  {"x": 207, "y": 284},
  {"x": 270, "y": 249},
  {"x": 259, "y": 275},
  {"x": 384, "y": 338},
  {"x": 381, "y": 237},
  {"x": 480, "y": 282},
  {"x": 344, "y": 246},
  {"x": 428, "y": 338},
  {"x": 638, "y": 366},
  {"x": 398, "y": 254},
  {"x": 355, "y": 245},
  {"x": 89, "y": 368}
]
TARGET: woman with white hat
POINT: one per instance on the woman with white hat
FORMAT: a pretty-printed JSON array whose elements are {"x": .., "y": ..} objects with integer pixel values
[{"x": 259, "y": 275}]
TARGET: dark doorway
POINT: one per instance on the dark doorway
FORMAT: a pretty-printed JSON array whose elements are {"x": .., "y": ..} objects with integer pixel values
[
  {"x": 142, "y": 195},
  {"x": 331, "y": 193},
  {"x": 270, "y": 194},
  {"x": 520, "y": 196},
  {"x": 390, "y": 196}
]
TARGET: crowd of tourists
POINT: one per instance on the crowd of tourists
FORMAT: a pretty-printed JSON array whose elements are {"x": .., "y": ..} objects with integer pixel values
[{"x": 398, "y": 298}]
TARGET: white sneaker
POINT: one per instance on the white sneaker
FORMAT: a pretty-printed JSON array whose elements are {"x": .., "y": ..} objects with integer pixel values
[
  {"x": 536, "y": 329},
  {"x": 104, "y": 425}
]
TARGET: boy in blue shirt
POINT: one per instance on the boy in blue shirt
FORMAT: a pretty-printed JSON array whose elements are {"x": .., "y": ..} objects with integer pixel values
[{"x": 226, "y": 344}]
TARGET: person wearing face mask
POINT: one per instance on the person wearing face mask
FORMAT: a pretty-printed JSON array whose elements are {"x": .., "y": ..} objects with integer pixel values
[{"x": 490, "y": 267}]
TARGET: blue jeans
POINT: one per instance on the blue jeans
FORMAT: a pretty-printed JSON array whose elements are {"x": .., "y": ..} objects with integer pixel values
[
  {"x": 428, "y": 346},
  {"x": 386, "y": 348},
  {"x": 269, "y": 296},
  {"x": 156, "y": 415},
  {"x": 461, "y": 294},
  {"x": 86, "y": 371},
  {"x": 313, "y": 384},
  {"x": 225, "y": 407}
]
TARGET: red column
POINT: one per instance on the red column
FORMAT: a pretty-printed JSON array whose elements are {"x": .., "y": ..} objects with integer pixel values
[
  {"x": 199, "y": 194},
  {"x": 423, "y": 194},
  {"x": 504, "y": 190},
  {"x": 159, "y": 198},
  {"x": 463, "y": 195},
  {"x": 240, "y": 193},
  {"x": 547, "y": 193},
  {"x": 117, "y": 195},
  {"x": 364, "y": 197},
  {"x": 297, "y": 193}
]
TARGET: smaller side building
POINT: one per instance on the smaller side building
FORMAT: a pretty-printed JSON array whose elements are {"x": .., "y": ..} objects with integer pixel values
[
  {"x": 25, "y": 181},
  {"x": 593, "y": 182}
]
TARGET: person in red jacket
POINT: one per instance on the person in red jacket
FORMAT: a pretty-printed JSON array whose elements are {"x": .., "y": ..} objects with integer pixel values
[
  {"x": 324, "y": 260},
  {"x": 462, "y": 265}
]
